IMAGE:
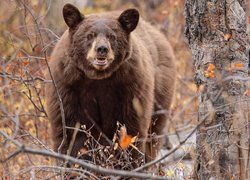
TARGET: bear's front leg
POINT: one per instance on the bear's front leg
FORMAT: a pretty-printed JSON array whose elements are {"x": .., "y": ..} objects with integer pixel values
[{"x": 137, "y": 124}]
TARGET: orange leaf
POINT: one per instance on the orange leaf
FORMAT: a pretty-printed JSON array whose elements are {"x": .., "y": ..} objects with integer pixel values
[
  {"x": 25, "y": 62},
  {"x": 209, "y": 73},
  {"x": 227, "y": 36},
  {"x": 19, "y": 54},
  {"x": 238, "y": 65},
  {"x": 125, "y": 141},
  {"x": 211, "y": 67}
]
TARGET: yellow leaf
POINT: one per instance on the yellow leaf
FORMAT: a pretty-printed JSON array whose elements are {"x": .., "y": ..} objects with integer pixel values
[
  {"x": 170, "y": 173},
  {"x": 76, "y": 166},
  {"x": 32, "y": 131},
  {"x": 29, "y": 123},
  {"x": 7, "y": 130},
  {"x": 115, "y": 146},
  {"x": 114, "y": 138},
  {"x": 181, "y": 165},
  {"x": 133, "y": 139}
]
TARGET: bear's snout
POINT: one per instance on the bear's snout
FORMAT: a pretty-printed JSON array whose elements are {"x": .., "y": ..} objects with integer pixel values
[
  {"x": 102, "y": 50},
  {"x": 100, "y": 54}
]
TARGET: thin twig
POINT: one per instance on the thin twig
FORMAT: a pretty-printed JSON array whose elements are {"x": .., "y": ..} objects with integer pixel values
[
  {"x": 82, "y": 163},
  {"x": 53, "y": 80},
  {"x": 172, "y": 151}
]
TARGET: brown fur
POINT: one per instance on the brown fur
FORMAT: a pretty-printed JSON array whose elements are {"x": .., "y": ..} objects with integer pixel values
[{"x": 138, "y": 81}]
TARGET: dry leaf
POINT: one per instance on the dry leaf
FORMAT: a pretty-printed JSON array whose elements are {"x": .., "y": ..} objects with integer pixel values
[
  {"x": 209, "y": 73},
  {"x": 19, "y": 54},
  {"x": 114, "y": 138},
  {"x": 211, "y": 67},
  {"x": 238, "y": 65},
  {"x": 227, "y": 36},
  {"x": 25, "y": 62},
  {"x": 235, "y": 66},
  {"x": 181, "y": 165},
  {"x": 76, "y": 166},
  {"x": 170, "y": 173},
  {"x": 115, "y": 146},
  {"x": 125, "y": 139}
]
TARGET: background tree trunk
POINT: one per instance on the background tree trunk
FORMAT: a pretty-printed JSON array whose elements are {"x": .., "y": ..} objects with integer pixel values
[{"x": 216, "y": 32}]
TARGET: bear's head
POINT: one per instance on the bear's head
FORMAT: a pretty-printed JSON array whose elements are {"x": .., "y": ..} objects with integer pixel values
[{"x": 99, "y": 43}]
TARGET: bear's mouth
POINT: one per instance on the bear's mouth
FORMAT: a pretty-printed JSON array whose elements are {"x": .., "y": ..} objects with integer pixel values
[{"x": 100, "y": 61}]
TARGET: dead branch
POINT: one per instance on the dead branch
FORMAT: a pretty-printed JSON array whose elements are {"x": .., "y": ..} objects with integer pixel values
[{"x": 23, "y": 149}]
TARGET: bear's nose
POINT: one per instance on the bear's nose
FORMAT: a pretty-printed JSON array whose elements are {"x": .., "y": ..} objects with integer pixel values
[{"x": 102, "y": 50}]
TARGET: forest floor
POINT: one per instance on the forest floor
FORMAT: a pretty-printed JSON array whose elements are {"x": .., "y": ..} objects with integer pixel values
[{"x": 180, "y": 164}]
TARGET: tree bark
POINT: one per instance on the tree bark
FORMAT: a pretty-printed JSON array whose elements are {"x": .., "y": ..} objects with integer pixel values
[{"x": 216, "y": 32}]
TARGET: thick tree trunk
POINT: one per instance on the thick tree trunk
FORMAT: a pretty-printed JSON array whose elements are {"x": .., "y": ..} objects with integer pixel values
[{"x": 216, "y": 32}]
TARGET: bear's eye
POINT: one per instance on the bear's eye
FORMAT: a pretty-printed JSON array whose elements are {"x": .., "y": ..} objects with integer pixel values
[
  {"x": 90, "y": 36},
  {"x": 111, "y": 37}
]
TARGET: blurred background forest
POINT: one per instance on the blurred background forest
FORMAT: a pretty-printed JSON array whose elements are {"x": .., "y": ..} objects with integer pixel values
[{"x": 29, "y": 30}]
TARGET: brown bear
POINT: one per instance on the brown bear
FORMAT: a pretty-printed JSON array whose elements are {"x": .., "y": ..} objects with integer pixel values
[{"x": 108, "y": 68}]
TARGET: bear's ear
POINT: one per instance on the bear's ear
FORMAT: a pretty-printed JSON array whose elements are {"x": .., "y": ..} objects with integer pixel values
[
  {"x": 72, "y": 15},
  {"x": 129, "y": 19}
]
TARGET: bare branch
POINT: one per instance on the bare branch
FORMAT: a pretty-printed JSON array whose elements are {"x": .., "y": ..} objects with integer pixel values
[{"x": 82, "y": 163}]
